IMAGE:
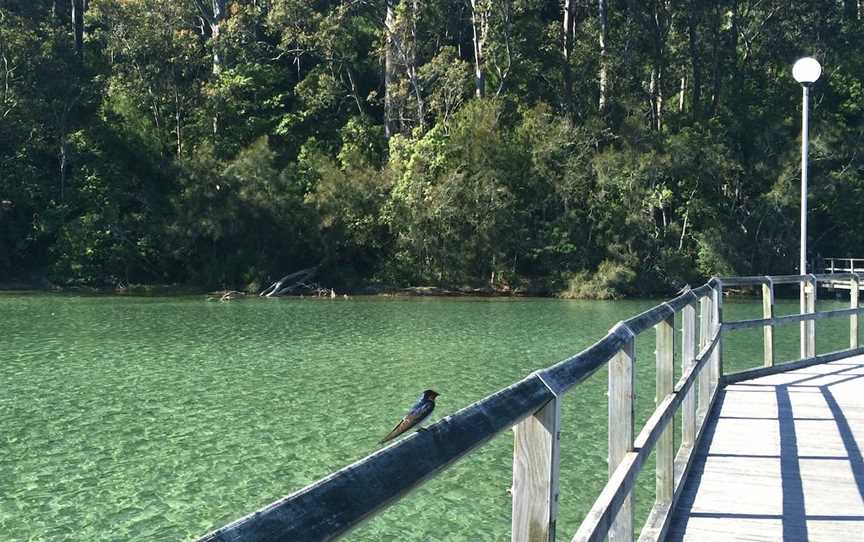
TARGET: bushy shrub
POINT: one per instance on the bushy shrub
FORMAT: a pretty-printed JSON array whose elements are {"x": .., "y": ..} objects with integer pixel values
[{"x": 611, "y": 280}]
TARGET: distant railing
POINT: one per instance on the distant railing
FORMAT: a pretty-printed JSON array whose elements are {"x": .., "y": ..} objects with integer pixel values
[
  {"x": 807, "y": 320},
  {"x": 843, "y": 265},
  {"x": 333, "y": 505}
]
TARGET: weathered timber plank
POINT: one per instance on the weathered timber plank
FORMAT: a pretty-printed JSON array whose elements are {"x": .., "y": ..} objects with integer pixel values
[
  {"x": 716, "y": 322},
  {"x": 665, "y": 411},
  {"x": 705, "y": 314},
  {"x": 565, "y": 374},
  {"x": 758, "y": 372},
  {"x": 660, "y": 518},
  {"x": 811, "y": 324},
  {"x": 768, "y": 331},
  {"x": 612, "y": 499},
  {"x": 806, "y": 485},
  {"x": 622, "y": 401},
  {"x": 648, "y": 319},
  {"x": 333, "y": 505},
  {"x": 854, "y": 289},
  {"x": 665, "y": 376},
  {"x": 688, "y": 358},
  {"x": 536, "y": 465},
  {"x": 789, "y": 319}
]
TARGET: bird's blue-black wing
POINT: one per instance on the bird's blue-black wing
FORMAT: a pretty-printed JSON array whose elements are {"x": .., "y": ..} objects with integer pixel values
[{"x": 416, "y": 415}]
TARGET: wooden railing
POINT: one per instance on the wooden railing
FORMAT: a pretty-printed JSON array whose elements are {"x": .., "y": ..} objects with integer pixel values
[
  {"x": 334, "y": 505},
  {"x": 843, "y": 265},
  {"x": 807, "y": 320}
]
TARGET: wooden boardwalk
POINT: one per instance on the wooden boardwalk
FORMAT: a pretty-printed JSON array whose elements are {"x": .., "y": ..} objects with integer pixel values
[
  {"x": 777, "y": 458},
  {"x": 781, "y": 460}
]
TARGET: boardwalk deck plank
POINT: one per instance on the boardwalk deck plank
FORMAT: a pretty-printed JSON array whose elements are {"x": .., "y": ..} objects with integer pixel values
[{"x": 782, "y": 460}]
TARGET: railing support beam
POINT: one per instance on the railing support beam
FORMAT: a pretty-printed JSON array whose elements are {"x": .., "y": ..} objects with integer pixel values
[
  {"x": 688, "y": 358},
  {"x": 854, "y": 289},
  {"x": 704, "y": 337},
  {"x": 811, "y": 325},
  {"x": 665, "y": 341},
  {"x": 536, "y": 466},
  {"x": 622, "y": 391},
  {"x": 768, "y": 312},
  {"x": 716, "y": 366}
]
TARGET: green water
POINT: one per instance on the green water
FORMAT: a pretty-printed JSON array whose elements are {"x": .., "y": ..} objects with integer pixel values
[{"x": 159, "y": 419}]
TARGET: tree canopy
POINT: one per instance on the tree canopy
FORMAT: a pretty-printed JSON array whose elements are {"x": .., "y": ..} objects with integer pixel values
[{"x": 533, "y": 144}]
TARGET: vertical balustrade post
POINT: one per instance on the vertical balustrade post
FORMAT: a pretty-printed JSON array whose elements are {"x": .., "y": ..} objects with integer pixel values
[
  {"x": 716, "y": 320},
  {"x": 803, "y": 325},
  {"x": 811, "y": 325},
  {"x": 688, "y": 358},
  {"x": 536, "y": 465},
  {"x": 665, "y": 382},
  {"x": 768, "y": 312},
  {"x": 854, "y": 288},
  {"x": 704, "y": 338},
  {"x": 621, "y": 414}
]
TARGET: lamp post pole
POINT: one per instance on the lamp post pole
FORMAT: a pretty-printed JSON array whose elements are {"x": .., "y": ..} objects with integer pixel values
[
  {"x": 805, "y": 136},
  {"x": 806, "y": 71}
]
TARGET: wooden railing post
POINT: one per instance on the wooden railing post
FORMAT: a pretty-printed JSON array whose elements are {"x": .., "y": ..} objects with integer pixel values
[
  {"x": 688, "y": 359},
  {"x": 854, "y": 288},
  {"x": 665, "y": 382},
  {"x": 716, "y": 319},
  {"x": 811, "y": 325},
  {"x": 536, "y": 466},
  {"x": 768, "y": 312},
  {"x": 704, "y": 337},
  {"x": 621, "y": 414}
]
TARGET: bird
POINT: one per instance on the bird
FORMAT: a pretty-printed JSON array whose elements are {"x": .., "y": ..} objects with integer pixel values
[{"x": 419, "y": 412}]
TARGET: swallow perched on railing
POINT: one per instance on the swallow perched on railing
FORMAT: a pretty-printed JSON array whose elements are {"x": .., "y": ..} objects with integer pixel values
[{"x": 419, "y": 412}]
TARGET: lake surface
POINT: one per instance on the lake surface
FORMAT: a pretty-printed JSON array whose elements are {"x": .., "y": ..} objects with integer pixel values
[{"x": 159, "y": 419}]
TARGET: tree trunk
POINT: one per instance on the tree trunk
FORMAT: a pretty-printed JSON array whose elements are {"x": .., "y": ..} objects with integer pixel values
[
  {"x": 412, "y": 69},
  {"x": 389, "y": 71},
  {"x": 63, "y": 154},
  {"x": 78, "y": 25},
  {"x": 480, "y": 23},
  {"x": 567, "y": 49},
  {"x": 661, "y": 11},
  {"x": 214, "y": 16},
  {"x": 719, "y": 66},
  {"x": 604, "y": 55},
  {"x": 696, "y": 62},
  {"x": 58, "y": 10},
  {"x": 850, "y": 10}
]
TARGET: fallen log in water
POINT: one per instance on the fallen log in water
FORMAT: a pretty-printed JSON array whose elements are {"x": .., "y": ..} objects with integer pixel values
[{"x": 290, "y": 283}]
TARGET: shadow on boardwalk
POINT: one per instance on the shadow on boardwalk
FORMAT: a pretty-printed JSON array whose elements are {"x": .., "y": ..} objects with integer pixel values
[{"x": 781, "y": 461}]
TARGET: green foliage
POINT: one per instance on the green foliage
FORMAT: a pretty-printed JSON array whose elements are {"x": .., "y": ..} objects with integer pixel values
[
  {"x": 230, "y": 152},
  {"x": 610, "y": 281}
]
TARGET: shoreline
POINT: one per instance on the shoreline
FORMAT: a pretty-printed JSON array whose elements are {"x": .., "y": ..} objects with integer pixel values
[{"x": 179, "y": 289}]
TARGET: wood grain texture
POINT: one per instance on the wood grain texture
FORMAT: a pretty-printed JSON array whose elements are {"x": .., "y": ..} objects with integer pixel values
[
  {"x": 688, "y": 357},
  {"x": 781, "y": 460},
  {"x": 704, "y": 387},
  {"x": 536, "y": 465},
  {"x": 811, "y": 324},
  {"x": 768, "y": 331},
  {"x": 621, "y": 416},
  {"x": 854, "y": 290},
  {"x": 790, "y": 319},
  {"x": 621, "y": 483},
  {"x": 665, "y": 376},
  {"x": 716, "y": 322},
  {"x": 333, "y": 505}
]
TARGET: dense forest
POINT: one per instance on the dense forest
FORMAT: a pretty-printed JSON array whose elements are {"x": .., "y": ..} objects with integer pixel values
[{"x": 533, "y": 145}]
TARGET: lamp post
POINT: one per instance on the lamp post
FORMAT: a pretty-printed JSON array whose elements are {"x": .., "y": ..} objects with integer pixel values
[{"x": 806, "y": 71}]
